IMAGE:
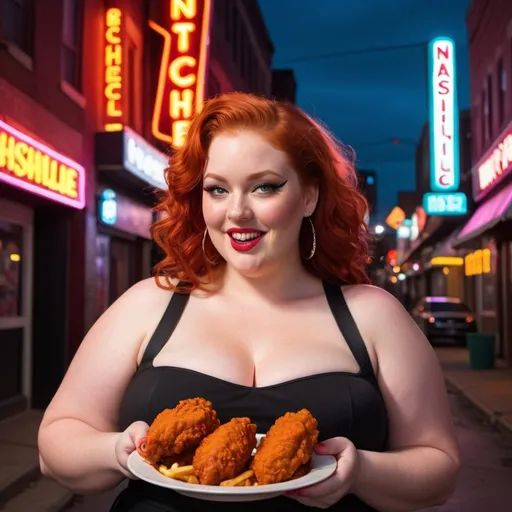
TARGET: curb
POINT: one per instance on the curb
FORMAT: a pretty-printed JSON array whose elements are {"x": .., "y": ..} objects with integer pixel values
[{"x": 494, "y": 418}]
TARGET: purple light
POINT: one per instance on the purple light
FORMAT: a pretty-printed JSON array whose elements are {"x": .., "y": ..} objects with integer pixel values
[
  {"x": 489, "y": 213},
  {"x": 78, "y": 203}
]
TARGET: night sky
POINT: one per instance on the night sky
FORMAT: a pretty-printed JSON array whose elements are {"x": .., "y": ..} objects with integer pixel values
[{"x": 368, "y": 99}]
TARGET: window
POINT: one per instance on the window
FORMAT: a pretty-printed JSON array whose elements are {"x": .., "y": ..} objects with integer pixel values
[
  {"x": 17, "y": 23},
  {"x": 132, "y": 58},
  {"x": 502, "y": 77},
  {"x": 483, "y": 121},
  {"x": 71, "y": 43},
  {"x": 131, "y": 62},
  {"x": 488, "y": 109},
  {"x": 11, "y": 261}
]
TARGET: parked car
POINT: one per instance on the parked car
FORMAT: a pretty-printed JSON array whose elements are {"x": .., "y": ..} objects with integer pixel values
[{"x": 444, "y": 319}]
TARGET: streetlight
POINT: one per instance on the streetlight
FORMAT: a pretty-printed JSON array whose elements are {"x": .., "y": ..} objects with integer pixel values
[{"x": 379, "y": 229}]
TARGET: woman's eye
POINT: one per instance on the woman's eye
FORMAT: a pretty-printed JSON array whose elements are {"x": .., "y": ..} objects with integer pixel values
[
  {"x": 270, "y": 187},
  {"x": 265, "y": 187},
  {"x": 214, "y": 190}
]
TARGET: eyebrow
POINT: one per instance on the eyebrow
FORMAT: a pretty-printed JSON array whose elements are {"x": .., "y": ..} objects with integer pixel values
[{"x": 251, "y": 177}]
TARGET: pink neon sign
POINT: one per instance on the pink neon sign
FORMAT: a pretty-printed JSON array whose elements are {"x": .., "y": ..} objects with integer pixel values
[
  {"x": 495, "y": 165},
  {"x": 36, "y": 168}
]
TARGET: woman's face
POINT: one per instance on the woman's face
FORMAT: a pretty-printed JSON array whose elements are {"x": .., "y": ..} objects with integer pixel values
[{"x": 253, "y": 203}]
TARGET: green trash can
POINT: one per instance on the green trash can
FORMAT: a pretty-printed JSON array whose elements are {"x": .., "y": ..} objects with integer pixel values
[{"x": 481, "y": 348}]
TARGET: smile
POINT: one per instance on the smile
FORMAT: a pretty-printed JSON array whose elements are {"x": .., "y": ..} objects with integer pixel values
[
  {"x": 245, "y": 240},
  {"x": 245, "y": 237}
]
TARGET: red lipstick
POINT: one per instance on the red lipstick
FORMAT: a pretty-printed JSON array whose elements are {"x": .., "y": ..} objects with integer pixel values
[{"x": 244, "y": 245}]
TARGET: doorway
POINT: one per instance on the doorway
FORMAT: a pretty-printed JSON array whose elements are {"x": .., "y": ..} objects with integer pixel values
[{"x": 16, "y": 280}]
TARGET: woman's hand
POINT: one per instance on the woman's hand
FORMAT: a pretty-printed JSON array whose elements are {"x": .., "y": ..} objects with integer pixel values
[
  {"x": 330, "y": 491},
  {"x": 127, "y": 442}
]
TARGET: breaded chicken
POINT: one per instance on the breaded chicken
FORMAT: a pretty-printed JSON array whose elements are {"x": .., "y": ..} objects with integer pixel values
[
  {"x": 177, "y": 431},
  {"x": 287, "y": 446},
  {"x": 225, "y": 453}
]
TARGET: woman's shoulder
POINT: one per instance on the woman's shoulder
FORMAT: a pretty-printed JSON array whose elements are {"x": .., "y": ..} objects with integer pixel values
[
  {"x": 145, "y": 299},
  {"x": 372, "y": 295},
  {"x": 374, "y": 308}
]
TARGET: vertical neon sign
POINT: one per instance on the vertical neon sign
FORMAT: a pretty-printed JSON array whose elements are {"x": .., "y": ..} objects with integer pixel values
[
  {"x": 444, "y": 116},
  {"x": 113, "y": 59},
  {"x": 181, "y": 83}
]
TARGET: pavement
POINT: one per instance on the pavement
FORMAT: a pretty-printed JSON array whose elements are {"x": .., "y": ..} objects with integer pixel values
[
  {"x": 22, "y": 487},
  {"x": 485, "y": 481},
  {"x": 490, "y": 391}
]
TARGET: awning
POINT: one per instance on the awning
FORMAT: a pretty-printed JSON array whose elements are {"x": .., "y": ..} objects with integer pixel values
[{"x": 493, "y": 211}]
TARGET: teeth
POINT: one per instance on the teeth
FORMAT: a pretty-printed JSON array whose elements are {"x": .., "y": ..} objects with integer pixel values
[{"x": 244, "y": 237}]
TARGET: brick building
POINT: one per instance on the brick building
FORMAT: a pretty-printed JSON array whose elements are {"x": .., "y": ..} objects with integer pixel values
[
  {"x": 487, "y": 236},
  {"x": 91, "y": 97}
]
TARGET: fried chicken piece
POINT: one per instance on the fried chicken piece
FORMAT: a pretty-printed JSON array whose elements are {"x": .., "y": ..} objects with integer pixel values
[
  {"x": 302, "y": 471},
  {"x": 287, "y": 446},
  {"x": 179, "y": 430},
  {"x": 225, "y": 453}
]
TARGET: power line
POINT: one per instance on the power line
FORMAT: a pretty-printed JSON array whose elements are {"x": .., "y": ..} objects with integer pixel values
[{"x": 344, "y": 53}]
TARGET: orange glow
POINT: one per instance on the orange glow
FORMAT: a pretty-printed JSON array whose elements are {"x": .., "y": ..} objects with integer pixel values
[
  {"x": 30, "y": 165},
  {"x": 113, "y": 70},
  {"x": 478, "y": 262},
  {"x": 181, "y": 82}
]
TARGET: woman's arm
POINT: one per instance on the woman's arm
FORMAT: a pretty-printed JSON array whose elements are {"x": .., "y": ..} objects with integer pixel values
[
  {"x": 405, "y": 480},
  {"x": 421, "y": 466},
  {"x": 85, "y": 466},
  {"x": 77, "y": 437}
]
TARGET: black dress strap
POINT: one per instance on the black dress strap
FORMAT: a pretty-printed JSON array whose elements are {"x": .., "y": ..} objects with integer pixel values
[
  {"x": 165, "y": 327},
  {"x": 349, "y": 329}
]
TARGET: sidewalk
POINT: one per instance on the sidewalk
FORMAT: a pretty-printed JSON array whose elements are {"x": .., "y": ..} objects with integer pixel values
[
  {"x": 22, "y": 487},
  {"x": 489, "y": 390}
]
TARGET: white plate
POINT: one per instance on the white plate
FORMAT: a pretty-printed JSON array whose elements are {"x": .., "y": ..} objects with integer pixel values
[{"x": 322, "y": 467}]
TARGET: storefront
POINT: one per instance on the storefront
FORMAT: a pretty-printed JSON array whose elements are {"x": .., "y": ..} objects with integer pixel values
[
  {"x": 129, "y": 171},
  {"x": 431, "y": 266},
  {"x": 40, "y": 191},
  {"x": 488, "y": 237}
]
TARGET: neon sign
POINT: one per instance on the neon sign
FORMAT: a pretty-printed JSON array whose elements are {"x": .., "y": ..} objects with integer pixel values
[
  {"x": 181, "y": 82},
  {"x": 455, "y": 203},
  {"x": 34, "y": 167},
  {"x": 143, "y": 160},
  {"x": 496, "y": 164},
  {"x": 108, "y": 207},
  {"x": 444, "y": 116},
  {"x": 478, "y": 262},
  {"x": 113, "y": 70}
]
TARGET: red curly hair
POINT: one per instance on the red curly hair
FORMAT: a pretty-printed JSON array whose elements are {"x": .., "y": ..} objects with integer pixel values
[{"x": 341, "y": 232}]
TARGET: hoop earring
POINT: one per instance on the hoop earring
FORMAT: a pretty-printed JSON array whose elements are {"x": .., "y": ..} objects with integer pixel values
[
  {"x": 204, "y": 249},
  {"x": 313, "y": 232}
]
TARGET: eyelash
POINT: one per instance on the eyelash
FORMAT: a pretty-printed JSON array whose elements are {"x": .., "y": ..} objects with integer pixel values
[{"x": 273, "y": 188}]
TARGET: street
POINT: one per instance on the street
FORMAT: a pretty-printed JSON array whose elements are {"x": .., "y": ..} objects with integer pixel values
[{"x": 485, "y": 481}]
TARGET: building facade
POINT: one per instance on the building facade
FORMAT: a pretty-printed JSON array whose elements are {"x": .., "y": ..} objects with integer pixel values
[
  {"x": 487, "y": 236},
  {"x": 368, "y": 185},
  {"x": 89, "y": 113},
  {"x": 284, "y": 86},
  {"x": 431, "y": 264}
]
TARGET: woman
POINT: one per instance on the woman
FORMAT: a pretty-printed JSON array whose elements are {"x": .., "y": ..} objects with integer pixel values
[{"x": 262, "y": 307}]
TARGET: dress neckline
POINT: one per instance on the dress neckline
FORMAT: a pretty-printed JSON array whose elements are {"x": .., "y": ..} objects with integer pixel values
[{"x": 296, "y": 380}]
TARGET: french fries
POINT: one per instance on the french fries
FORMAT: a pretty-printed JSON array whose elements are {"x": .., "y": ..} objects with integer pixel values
[
  {"x": 183, "y": 473},
  {"x": 186, "y": 474},
  {"x": 238, "y": 480}
]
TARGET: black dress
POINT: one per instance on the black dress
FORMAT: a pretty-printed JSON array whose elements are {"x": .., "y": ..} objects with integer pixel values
[{"x": 345, "y": 404}]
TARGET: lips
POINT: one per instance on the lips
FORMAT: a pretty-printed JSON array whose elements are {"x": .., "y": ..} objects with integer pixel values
[{"x": 244, "y": 239}]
